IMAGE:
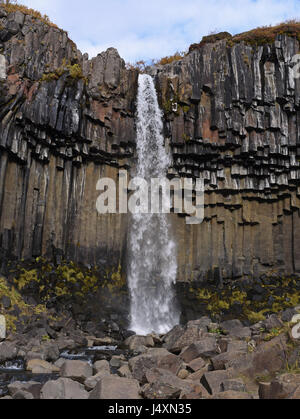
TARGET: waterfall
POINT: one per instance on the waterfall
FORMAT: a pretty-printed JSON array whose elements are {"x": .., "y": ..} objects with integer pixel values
[{"x": 152, "y": 266}]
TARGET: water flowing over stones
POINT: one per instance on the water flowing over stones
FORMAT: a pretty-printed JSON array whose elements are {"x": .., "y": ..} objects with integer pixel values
[{"x": 152, "y": 265}]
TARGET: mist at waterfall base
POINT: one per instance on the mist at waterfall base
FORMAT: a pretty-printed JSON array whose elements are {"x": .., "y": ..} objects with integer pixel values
[{"x": 152, "y": 252}]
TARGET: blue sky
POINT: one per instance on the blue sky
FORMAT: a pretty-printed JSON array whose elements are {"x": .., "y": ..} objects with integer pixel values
[{"x": 142, "y": 29}]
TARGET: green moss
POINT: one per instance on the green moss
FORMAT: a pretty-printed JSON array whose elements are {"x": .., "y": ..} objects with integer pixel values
[
  {"x": 75, "y": 72},
  {"x": 235, "y": 300},
  {"x": 17, "y": 301}
]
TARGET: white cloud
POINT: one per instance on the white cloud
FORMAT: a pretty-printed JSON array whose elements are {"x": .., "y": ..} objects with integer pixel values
[{"x": 143, "y": 29}]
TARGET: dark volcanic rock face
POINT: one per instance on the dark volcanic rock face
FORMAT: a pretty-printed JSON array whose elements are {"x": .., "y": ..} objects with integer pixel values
[
  {"x": 65, "y": 121},
  {"x": 231, "y": 117}
]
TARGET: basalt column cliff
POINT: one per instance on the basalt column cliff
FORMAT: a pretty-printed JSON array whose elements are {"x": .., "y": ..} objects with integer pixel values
[{"x": 231, "y": 117}]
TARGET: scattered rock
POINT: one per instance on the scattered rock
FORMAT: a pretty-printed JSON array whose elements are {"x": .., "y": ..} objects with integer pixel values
[{"x": 38, "y": 366}]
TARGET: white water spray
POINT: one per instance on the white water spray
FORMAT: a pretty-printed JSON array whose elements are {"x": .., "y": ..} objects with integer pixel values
[{"x": 152, "y": 252}]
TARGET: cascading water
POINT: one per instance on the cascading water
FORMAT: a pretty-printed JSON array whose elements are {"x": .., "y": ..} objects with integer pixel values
[{"x": 152, "y": 252}]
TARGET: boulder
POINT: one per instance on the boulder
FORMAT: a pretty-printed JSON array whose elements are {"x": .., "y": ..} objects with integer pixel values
[
  {"x": 32, "y": 387},
  {"x": 213, "y": 380},
  {"x": 272, "y": 322},
  {"x": 116, "y": 388},
  {"x": 284, "y": 387},
  {"x": 221, "y": 361},
  {"x": 157, "y": 376},
  {"x": 125, "y": 372},
  {"x": 76, "y": 370},
  {"x": 171, "y": 363},
  {"x": 197, "y": 364},
  {"x": 268, "y": 357},
  {"x": 141, "y": 363},
  {"x": 102, "y": 365},
  {"x": 8, "y": 351},
  {"x": 288, "y": 314},
  {"x": 203, "y": 323},
  {"x": 233, "y": 385},
  {"x": 91, "y": 382},
  {"x": 180, "y": 338},
  {"x": 206, "y": 347},
  {"x": 134, "y": 342},
  {"x": 235, "y": 328},
  {"x": 38, "y": 366},
  {"x": 63, "y": 389}
]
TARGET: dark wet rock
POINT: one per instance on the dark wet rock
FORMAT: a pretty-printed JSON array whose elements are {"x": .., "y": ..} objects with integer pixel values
[
  {"x": 288, "y": 314},
  {"x": 5, "y": 302}
]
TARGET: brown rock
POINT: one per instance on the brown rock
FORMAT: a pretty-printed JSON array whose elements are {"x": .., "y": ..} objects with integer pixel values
[
  {"x": 63, "y": 389},
  {"x": 76, "y": 370},
  {"x": 110, "y": 388}
]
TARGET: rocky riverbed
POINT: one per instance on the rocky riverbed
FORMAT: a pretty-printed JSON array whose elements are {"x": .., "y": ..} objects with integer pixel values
[{"x": 200, "y": 360}]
